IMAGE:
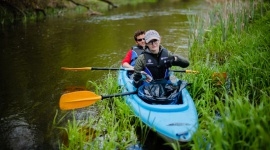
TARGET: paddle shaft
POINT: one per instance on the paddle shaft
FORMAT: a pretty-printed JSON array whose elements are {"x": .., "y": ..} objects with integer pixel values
[
  {"x": 117, "y": 95},
  {"x": 90, "y": 68},
  {"x": 129, "y": 69},
  {"x": 186, "y": 71},
  {"x": 97, "y": 68}
]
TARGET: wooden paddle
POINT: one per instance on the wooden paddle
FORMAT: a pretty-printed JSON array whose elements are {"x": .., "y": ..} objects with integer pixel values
[
  {"x": 128, "y": 69},
  {"x": 81, "y": 99}
]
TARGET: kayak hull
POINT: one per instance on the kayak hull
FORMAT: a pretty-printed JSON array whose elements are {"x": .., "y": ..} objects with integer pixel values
[{"x": 171, "y": 121}]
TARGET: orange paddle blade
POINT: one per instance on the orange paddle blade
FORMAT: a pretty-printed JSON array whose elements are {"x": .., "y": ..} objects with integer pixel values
[{"x": 78, "y": 99}]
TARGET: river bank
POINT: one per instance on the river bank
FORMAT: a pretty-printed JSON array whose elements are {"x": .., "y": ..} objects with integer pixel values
[{"x": 23, "y": 10}]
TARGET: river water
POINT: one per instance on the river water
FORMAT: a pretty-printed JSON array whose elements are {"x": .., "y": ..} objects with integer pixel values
[{"x": 33, "y": 53}]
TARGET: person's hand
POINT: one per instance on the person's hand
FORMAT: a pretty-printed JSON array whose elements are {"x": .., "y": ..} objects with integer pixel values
[
  {"x": 168, "y": 62},
  {"x": 146, "y": 77},
  {"x": 137, "y": 77}
]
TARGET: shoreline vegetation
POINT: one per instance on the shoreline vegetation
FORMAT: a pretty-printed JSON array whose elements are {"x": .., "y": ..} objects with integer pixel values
[
  {"x": 231, "y": 38},
  {"x": 14, "y": 11}
]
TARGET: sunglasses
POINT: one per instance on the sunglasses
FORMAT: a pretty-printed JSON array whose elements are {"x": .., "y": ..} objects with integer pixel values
[
  {"x": 140, "y": 39},
  {"x": 155, "y": 41}
]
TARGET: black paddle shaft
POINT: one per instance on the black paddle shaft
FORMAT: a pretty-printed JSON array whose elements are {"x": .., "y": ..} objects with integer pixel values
[
  {"x": 100, "y": 68},
  {"x": 97, "y": 68},
  {"x": 120, "y": 94},
  {"x": 178, "y": 70}
]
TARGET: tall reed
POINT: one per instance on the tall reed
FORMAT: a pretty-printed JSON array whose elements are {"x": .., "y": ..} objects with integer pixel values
[{"x": 235, "y": 39}]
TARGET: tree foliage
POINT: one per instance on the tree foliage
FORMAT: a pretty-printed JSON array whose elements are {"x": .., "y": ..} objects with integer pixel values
[{"x": 18, "y": 9}]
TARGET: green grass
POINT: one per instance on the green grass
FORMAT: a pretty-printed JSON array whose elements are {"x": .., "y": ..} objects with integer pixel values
[
  {"x": 236, "y": 42},
  {"x": 112, "y": 125}
]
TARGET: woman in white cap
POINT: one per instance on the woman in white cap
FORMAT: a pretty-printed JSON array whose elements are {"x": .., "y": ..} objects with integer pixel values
[{"x": 156, "y": 60}]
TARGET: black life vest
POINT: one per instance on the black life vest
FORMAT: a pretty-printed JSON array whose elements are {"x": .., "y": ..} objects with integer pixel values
[
  {"x": 136, "y": 51},
  {"x": 155, "y": 66}
]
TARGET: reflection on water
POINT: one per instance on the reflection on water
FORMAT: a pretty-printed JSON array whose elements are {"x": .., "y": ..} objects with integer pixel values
[
  {"x": 74, "y": 89},
  {"x": 31, "y": 56},
  {"x": 138, "y": 15}
]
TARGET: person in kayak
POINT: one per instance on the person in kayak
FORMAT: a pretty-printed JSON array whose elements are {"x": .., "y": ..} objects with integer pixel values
[
  {"x": 135, "y": 51},
  {"x": 155, "y": 60}
]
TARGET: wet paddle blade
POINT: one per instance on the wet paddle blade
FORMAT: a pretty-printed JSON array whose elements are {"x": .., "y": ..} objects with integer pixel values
[{"x": 78, "y": 99}]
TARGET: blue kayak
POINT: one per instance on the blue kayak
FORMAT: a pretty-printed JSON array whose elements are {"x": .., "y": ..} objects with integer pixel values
[{"x": 171, "y": 121}]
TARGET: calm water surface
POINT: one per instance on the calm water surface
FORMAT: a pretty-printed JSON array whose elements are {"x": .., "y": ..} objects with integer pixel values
[{"x": 31, "y": 57}]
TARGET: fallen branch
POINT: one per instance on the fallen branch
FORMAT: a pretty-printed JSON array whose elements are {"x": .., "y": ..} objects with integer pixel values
[
  {"x": 78, "y": 4},
  {"x": 109, "y": 3}
]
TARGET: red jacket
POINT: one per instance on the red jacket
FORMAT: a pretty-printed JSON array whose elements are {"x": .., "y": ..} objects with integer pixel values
[{"x": 128, "y": 57}]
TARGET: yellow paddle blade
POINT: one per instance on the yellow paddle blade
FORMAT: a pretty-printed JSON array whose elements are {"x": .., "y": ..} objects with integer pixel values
[{"x": 78, "y": 99}]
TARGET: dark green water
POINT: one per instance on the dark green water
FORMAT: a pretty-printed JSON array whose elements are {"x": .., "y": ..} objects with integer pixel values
[{"x": 31, "y": 56}]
